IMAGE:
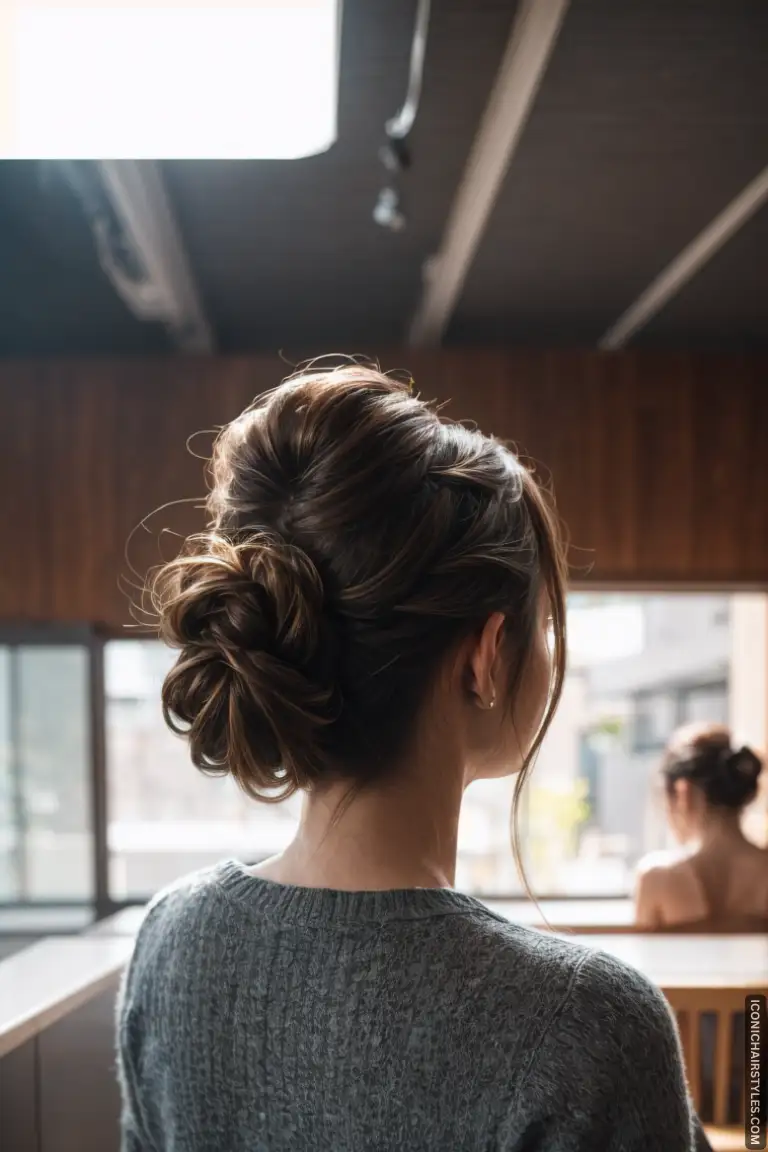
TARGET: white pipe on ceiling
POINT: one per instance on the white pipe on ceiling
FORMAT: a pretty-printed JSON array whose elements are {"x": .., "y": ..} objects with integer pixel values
[
  {"x": 168, "y": 293},
  {"x": 533, "y": 36},
  {"x": 687, "y": 263}
]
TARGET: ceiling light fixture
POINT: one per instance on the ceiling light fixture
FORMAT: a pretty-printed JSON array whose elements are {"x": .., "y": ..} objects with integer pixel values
[
  {"x": 107, "y": 80},
  {"x": 386, "y": 211}
]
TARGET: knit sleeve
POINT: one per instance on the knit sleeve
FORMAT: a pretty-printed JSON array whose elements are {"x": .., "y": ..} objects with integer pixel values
[
  {"x": 133, "y": 1132},
  {"x": 608, "y": 1073},
  {"x": 131, "y": 1041}
]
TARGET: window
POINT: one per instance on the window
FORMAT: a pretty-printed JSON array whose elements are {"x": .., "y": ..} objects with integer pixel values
[
  {"x": 706, "y": 704},
  {"x": 46, "y": 841},
  {"x": 655, "y": 716},
  {"x": 639, "y": 666},
  {"x": 165, "y": 817}
]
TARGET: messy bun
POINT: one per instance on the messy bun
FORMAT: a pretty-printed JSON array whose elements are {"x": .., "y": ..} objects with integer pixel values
[
  {"x": 254, "y": 686},
  {"x": 704, "y": 754},
  {"x": 354, "y": 536}
]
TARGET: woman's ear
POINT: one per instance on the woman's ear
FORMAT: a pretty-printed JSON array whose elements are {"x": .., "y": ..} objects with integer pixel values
[{"x": 485, "y": 661}]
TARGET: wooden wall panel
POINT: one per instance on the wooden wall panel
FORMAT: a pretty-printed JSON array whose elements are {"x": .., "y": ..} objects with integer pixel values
[
  {"x": 659, "y": 461},
  {"x": 19, "y": 1121},
  {"x": 79, "y": 1097}
]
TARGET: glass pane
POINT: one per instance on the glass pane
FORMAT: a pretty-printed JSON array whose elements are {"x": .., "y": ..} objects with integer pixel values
[
  {"x": 655, "y": 717},
  {"x": 166, "y": 817},
  {"x": 8, "y": 825},
  {"x": 485, "y": 862},
  {"x": 706, "y": 705},
  {"x": 639, "y": 666},
  {"x": 54, "y": 770}
]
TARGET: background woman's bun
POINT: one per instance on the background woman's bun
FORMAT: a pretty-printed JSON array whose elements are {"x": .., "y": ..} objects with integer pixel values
[
  {"x": 253, "y": 688},
  {"x": 733, "y": 781},
  {"x": 704, "y": 754}
]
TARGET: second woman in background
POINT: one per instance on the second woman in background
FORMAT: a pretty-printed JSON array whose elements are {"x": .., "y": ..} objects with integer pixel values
[{"x": 719, "y": 878}]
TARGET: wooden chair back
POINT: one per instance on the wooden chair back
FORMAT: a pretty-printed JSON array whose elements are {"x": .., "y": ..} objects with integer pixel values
[{"x": 711, "y": 1030}]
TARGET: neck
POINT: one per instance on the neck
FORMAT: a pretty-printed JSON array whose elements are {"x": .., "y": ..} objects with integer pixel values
[
  {"x": 720, "y": 825},
  {"x": 402, "y": 833}
]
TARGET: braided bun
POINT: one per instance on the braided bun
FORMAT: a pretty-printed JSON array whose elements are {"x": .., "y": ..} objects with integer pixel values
[
  {"x": 355, "y": 538},
  {"x": 253, "y": 687}
]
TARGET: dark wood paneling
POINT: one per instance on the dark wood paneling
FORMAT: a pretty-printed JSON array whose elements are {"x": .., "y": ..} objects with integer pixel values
[
  {"x": 79, "y": 1093},
  {"x": 18, "y": 1100},
  {"x": 660, "y": 461},
  {"x": 59, "y": 1091}
]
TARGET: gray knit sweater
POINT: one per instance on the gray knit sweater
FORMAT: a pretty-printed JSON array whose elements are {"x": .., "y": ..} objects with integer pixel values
[{"x": 260, "y": 1018}]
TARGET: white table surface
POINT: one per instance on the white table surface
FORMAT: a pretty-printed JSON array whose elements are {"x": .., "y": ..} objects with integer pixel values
[
  {"x": 689, "y": 961},
  {"x": 52, "y": 978},
  {"x": 576, "y": 914},
  {"x": 124, "y": 923}
]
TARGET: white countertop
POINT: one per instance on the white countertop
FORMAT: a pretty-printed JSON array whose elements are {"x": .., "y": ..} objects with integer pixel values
[
  {"x": 689, "y": 961},
  {"x": 608, "y": 914},
  {"x": 41, "y": 984},
  {"x": 125, "y": 923}
]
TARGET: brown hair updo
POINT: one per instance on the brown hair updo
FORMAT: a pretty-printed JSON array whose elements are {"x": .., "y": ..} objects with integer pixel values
[
  {"x": 354, "y": 538},
  {"x": 703, "y": 754}
]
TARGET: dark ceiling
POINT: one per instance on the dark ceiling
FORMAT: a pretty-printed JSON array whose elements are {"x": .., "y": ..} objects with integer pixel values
[{"x": 652, "y": 116}]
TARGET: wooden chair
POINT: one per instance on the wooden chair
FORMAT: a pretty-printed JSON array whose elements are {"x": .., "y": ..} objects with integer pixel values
[{"x": 709, "y": 1021}]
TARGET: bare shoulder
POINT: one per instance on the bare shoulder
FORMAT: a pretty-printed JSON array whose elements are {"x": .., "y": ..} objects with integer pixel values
[
  {"x": 667, "y": 890},
  {"x": 666, "y": 861},
  {"x": 750, "y": 859}
]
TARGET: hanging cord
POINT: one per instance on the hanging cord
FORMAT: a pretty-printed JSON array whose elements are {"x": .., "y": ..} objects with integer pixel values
[{"x": 400, "y": 125}]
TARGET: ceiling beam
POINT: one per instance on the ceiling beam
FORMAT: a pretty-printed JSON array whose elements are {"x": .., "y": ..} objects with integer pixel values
[
  {"x": 687, "y": 263},
  {"x": 167, "y": 292},
  {"x": 534, "y": 32}
]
